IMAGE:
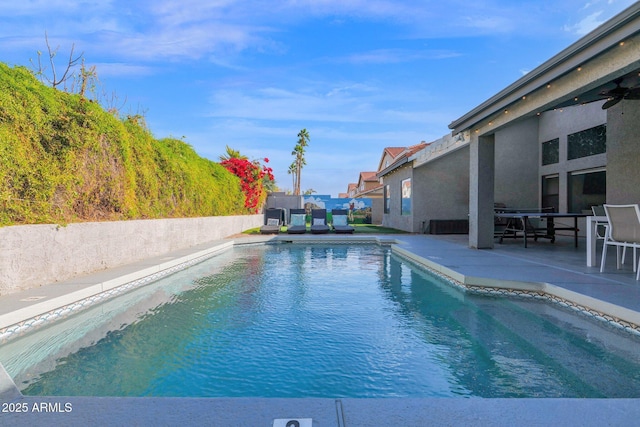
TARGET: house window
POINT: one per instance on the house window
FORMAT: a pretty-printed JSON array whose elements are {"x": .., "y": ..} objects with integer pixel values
[
  {"x": 587, "y": 188},
  {"x": 587, "y": 142},
  {"x": 551, "y": 192},
  {"x": 387, "y": 198},
  {"x": 405, "y": 205},
  {"x": 550, "y": 152}
]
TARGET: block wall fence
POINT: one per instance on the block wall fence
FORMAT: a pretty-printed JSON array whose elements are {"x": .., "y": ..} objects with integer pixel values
[{"x": 35, "y": 255}]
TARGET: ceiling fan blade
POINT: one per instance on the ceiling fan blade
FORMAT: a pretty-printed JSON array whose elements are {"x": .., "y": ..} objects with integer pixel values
[
  {"x": 633, "y": 94},
  {"x": 611, "y": 102}
]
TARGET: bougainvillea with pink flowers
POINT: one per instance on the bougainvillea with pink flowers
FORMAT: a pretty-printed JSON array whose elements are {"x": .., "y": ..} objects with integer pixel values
[{"x": 252, "y": 175}]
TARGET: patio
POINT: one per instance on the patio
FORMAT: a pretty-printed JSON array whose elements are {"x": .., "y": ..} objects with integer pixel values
[{"x": 560, "y": 264}]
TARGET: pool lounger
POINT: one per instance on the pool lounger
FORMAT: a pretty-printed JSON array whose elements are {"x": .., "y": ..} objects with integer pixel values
[
  {"x": 297, "y": 221},
  {"x": 319, "y": 221},
  {"x": 273, "y": 219},
  {"x": 339, "y": 222}
]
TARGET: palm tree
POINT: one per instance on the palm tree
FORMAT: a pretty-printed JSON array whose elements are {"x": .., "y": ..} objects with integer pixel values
[
  {"x": 299, "y": 161},
  {"x": 292, "y": 171},
  {"x": 232, "y": 154},
  {"x": 269, "y": 185}
]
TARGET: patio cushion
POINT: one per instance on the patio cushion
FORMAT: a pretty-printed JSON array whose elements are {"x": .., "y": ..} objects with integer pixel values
[
  {"x": 273, "y": 221},
  {"x": 339, "y": 220},
  {"x": 298, "y": 219}
]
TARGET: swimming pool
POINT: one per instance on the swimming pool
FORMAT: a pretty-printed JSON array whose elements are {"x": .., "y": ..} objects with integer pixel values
[{"x": 291, "y": 320}]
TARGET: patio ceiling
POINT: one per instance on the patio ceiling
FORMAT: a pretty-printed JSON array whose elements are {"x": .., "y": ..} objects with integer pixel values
[
  {"x": 623, "y": 87},
  {"x": 605, "y": 60}
]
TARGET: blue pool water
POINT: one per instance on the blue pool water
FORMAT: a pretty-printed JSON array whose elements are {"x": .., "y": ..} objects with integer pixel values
[{"x": 322, "y": 321}]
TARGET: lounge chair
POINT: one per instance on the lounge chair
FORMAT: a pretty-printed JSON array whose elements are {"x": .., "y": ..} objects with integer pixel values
[
  {"x": 623, "y": 232},
  {"x": 297, "y": 221},
  {"x": 273, "y": 220},
  {"x": 339, "y": 221},
  {"x": 319, "y": 221}
]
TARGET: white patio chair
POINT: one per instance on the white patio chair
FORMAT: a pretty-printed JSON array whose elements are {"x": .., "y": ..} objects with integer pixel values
[
  {"x": 623, "y": 232},
  {"x": 601, "y": 227}
]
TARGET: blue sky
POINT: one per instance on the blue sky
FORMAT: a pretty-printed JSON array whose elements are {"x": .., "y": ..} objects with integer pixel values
[{"x": 359, "y": 75}]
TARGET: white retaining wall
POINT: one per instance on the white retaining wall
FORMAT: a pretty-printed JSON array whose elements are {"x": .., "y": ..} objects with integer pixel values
[{"x": 34, "y": 255}]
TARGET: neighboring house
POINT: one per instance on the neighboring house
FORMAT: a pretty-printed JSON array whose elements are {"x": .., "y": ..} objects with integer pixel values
[
  {"x": 565, "y": 130},
  {"x": 389, "y": 156},
  {"x": 369, "y": 187},
  {"x": 352, "y": 189},
  {"x": 367, "y": 182}
]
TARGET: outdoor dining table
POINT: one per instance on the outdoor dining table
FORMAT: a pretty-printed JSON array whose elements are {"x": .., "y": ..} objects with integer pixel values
[{"x": 537, "y": 233}]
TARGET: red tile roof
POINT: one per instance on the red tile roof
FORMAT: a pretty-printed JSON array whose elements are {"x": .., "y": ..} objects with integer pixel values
[
  {"x": 394, "y": 151},
  {"x": 368, "y": 176}
]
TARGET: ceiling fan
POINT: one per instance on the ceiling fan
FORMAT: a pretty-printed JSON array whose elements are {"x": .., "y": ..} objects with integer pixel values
[{"x": 619, "y": 93}]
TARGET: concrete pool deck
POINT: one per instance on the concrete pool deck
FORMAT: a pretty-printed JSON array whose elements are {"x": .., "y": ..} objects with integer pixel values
[{"x": 557, "y": 268}]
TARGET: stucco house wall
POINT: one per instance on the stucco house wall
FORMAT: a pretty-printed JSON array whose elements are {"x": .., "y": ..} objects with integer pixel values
[
  {"x": 441, "y": 189},
  {"x": 377, "y": 207},
  {"x": 394, "y": 217},
  {"x": 516, "y": 165},
  {"x": 623, "y": 153},
  {"x": 561, "y": 123}
]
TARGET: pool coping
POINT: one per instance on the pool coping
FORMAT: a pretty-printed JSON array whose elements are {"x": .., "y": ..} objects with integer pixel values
[
  {"x": 50, "y": 303},
  {"x": 612, "y": 314},
  {"x": 339, "y": 412}
]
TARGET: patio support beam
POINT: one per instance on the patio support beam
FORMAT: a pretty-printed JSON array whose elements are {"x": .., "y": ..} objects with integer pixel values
[
  {"x": 623, "y": 153},
  {"x": 481, "y": 191}
]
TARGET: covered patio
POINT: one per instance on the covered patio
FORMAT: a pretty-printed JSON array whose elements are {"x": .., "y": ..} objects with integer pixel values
[{"x": 599, "y": 77}]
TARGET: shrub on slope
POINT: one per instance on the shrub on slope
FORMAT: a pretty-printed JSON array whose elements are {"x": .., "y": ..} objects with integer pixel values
[{"x": 64, "y": 159}]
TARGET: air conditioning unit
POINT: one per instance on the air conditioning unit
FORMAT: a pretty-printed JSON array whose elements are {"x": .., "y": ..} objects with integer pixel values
[{"x": 449, "y": 226}]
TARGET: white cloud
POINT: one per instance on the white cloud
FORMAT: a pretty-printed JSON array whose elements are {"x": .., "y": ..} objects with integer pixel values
[
  {"x": 59, "y": 7},
  {"x": 600, "y": 12},
  {"x": 392, "y": 56},
  {"x": 166, "y": 30},
  {"x": 587, "y": 24},
  {"x": 272, "y": 103}
]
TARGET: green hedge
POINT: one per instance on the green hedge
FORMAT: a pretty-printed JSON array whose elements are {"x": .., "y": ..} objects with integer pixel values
[{"x": 64, "y": 159}]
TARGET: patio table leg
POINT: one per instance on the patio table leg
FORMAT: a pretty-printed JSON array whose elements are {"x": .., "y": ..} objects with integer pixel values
[
  {"x": 591, "y": 241},
  {"x": 551, "y": 229}
]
